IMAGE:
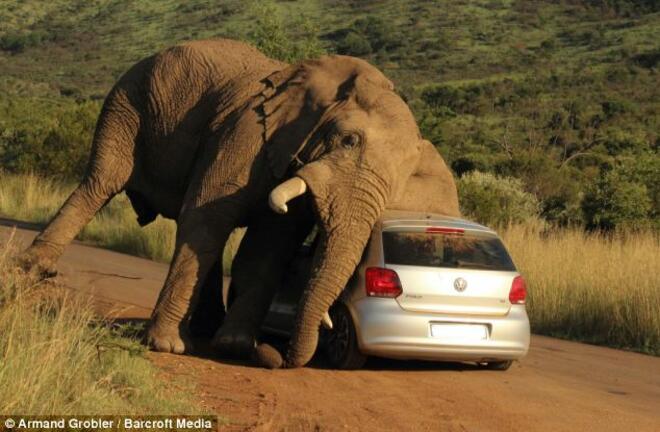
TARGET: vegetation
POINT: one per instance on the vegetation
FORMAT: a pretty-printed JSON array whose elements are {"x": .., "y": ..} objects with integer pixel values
[
  {"x": 57, "y": 358},
  {"x": 561, "y": 95},
  {"x": 591, "y": 287},
  {"x": 31, "y": 198},
  {"x": 496, "y": 201}
]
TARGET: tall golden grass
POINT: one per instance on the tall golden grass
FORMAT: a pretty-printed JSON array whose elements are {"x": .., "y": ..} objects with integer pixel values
[
  {"x": 31, "y": 198},
  {"x": 57, "y": 358},
  {"x": 593, "y": 287},
  {"x": 35, "y": 199}
]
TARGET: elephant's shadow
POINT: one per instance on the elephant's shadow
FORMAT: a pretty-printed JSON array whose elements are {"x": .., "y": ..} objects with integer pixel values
[{"x": 136, "y": 328}]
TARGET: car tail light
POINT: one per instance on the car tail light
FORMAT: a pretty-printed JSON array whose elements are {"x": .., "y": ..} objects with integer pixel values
[
  {"x": 518, "y": 292},
  {"x": 383, "y": 282}
]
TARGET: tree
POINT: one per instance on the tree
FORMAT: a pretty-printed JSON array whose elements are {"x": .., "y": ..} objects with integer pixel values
[
  {"x": 274, "y": 37},
  {"x": 615, "y": 201}
]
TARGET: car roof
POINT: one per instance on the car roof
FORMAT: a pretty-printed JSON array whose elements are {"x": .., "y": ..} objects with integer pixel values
[{"x": 399, "y": 218}]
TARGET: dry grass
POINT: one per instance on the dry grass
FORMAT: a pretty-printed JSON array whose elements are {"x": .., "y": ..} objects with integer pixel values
[
  {"x": 597, "y": 288},
  {"x": 31, "y": 198},
  {"x": 34, "y": 199},
  {"x": 57, "y": 358}
]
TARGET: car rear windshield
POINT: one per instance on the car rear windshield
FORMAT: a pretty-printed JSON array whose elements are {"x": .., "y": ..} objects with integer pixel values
[{"x": 470, "y": 250}]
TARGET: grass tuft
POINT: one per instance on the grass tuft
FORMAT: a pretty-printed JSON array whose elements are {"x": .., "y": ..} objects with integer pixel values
[{"x": 58, "y": 358}]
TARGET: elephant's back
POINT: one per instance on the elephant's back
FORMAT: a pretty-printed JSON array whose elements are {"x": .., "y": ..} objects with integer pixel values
[
  {"x": 179, "y": 90},
  {"x": 182, "y": 80},
  {"x": 229, "y": 58}
]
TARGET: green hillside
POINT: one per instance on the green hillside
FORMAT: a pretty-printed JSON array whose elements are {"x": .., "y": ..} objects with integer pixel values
[{"x": 560, "y": 94}]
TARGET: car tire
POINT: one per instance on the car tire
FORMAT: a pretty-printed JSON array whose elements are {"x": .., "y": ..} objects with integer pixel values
[
  {"x": 497, "y": 365},
  {"x": 341, "y": 344}
]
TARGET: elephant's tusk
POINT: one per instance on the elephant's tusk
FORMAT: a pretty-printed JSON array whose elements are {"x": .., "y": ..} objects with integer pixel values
[
  {"x": 326, "y": 321},
  {"x": 285, "y": 192}
]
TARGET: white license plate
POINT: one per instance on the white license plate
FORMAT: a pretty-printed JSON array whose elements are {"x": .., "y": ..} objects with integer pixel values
[{"x": 456, "y": 332}]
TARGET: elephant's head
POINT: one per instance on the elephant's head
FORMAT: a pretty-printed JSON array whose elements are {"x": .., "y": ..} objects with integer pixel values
[{"x": 335, "y": 128}]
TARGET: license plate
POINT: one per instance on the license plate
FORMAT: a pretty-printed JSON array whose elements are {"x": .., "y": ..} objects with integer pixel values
[{"x": 458, "y": 332}]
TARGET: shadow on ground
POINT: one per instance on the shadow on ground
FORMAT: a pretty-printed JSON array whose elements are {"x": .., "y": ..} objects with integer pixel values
[{"x": 136, "y": 328}]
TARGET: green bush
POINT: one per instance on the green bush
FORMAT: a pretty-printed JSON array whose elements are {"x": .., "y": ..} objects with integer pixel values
[
  {"x": 494, "y": 200},
  {"x": 272, "y": 36},
  {"x": 615, "y": 201},
  {"x": 463, "y": 100},
  {"x": 354, "y": 44},
  {"x": 60, "y": 151},
  {"x": 19, "y": 42},
  {"x": 618, "y": 141}
]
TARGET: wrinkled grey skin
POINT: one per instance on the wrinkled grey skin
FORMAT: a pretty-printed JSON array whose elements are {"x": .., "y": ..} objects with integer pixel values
[{"x": 204, "y": 131}]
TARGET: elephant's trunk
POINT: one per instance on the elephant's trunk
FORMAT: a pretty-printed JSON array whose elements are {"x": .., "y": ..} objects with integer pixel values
[
  {"x": 285, "y": 192},
  {"x": 335, "y": 261}
]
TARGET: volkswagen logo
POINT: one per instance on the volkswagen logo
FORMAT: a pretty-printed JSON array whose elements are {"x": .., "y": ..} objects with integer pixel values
[{"x": 460, "y": 284}]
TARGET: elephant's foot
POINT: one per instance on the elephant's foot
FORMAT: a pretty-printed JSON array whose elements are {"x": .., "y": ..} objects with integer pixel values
[
  {"x": 40, "y": 258},
  {"x": 236, "y": 344},
  {"x": 168, "y": 339},
  {"x": 267, "y": 356}
]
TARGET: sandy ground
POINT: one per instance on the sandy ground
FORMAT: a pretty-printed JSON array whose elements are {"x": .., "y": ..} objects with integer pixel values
[{"x": 559, "y": 386}]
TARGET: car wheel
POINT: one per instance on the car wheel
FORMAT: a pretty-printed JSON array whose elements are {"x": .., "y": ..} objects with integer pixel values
[
  {"x": 341, "y": 343},
  {"x": 497, "y": 365}
]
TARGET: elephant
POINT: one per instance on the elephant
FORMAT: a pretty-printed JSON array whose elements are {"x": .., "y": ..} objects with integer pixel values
[{"x": 216, "y": 135}]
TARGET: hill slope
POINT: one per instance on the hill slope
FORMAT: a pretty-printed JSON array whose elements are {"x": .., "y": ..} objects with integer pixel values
[{"x": 563, "y": 95}]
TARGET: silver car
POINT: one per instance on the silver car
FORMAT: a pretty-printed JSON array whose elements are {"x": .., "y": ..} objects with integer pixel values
[{"x": 428, "y": 287}]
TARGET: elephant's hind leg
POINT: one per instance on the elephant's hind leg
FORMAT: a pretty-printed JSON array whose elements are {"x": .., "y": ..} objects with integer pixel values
[
  {"x": 109, "y": 169},
  {"x": 209, "y": 314}
]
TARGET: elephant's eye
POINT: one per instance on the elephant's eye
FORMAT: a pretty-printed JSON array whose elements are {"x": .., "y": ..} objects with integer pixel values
[{"x": 350, "y": 140}]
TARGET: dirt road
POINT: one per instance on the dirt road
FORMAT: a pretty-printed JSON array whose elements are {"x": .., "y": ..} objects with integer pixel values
[{"x": 559, "y": 386}]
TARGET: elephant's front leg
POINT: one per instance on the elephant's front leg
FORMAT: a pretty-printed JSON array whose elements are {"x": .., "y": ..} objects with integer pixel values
[
  {"x": 258, "y": 270},
  {"x": 200, "y": 238}
]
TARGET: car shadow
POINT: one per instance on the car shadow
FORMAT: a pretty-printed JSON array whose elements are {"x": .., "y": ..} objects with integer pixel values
[{"x": 385, "y": 364}]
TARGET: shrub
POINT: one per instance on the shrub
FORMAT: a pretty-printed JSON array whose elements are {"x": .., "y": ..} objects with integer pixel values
[
  {"x": 354, "y": 44},
  {"x": 19, "y": 42},
  {"x": 617, "y": 141},
  {"x": 648, "y": 59},
  {"x": 377, "y": 32},
  {"x": 613, "y": 108},
  {"x": 494, "y": 200},
  {"x": 271, "y": 36},
  {"x": 643, "y": 169},
  {"x": 463, "y": 100},
  {"x": 616, "y": 202},
  {"x": 60, "y": 151}
]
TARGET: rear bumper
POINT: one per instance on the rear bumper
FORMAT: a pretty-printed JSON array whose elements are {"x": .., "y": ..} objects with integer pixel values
[{"x": 385, "y": 329}]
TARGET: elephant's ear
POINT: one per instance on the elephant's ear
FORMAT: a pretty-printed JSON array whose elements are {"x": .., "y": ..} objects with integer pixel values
[{"x": 290, "y": 115}]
